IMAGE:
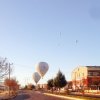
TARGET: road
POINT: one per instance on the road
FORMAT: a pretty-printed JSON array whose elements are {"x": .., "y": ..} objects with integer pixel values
[{"x": 34, "y": 95}]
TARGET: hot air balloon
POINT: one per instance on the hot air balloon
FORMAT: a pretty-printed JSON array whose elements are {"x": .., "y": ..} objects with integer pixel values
[
  {"x": 36, "y": 77},
  {"x": 42, "y": 68}
]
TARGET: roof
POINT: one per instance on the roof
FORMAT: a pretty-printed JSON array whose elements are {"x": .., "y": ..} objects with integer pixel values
[
  {"x": 89, "y": 67},
  {"x": 93, "y": 66}
]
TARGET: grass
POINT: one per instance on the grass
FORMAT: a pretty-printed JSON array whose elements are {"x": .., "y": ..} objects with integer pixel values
[{"x": 84, "y": 98}]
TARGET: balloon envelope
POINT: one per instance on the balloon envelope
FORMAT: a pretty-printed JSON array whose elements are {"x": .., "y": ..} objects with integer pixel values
[
  {"x": 36, "y": 77},
  {"x": 42, "y": 68}
]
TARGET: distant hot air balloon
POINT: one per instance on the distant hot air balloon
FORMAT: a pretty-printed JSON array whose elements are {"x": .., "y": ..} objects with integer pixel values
[
  {"x": 42, "y": 68},
  {"x": 36, "y": 77}
]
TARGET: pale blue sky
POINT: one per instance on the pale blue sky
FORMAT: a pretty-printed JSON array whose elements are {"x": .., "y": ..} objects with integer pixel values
[{"x": 46, "y": 30}]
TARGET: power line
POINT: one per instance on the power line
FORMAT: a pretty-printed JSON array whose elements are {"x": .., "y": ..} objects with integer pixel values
[{"x": 22, "y": 65}]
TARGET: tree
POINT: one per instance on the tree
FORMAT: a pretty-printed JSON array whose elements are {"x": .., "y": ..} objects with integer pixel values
[
  {"x": 12, "y": 84},
  {"x": 25, "y": 87},
  {"x": 30, "y": 86},
  {"x": 59, "y": 80},
  {"x": 69, "y": 85},
  {"x": 4, "y": 67},
  {"x": 50, "y": 84}
]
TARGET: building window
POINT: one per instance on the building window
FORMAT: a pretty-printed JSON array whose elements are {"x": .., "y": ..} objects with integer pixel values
[
  {"x": 82, "y": 74},
  {"x": 79, "y": 74},
  {"x": 90, "y": 73},
  {"x": 95, "y": 73}
]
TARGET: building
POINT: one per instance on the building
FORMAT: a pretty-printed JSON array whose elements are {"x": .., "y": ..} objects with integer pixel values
[
  {"x": 86, "y": 77},
  {"x": 2, "y": 86},
  {"x": 42, "y": 86}
]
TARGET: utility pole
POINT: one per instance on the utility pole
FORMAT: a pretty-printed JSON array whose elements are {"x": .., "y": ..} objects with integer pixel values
[
  {"x": 75, "y": 81},
  {"x": 9, "y": 77}
]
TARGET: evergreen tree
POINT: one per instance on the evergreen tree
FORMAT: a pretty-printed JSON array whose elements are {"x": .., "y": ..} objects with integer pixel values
[
  {"x": 59, "y": 80},
  {"x": 50, "y": 84}
]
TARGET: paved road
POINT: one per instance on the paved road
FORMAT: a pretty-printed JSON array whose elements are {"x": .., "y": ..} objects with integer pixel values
[{"x": 34, "y": 95}]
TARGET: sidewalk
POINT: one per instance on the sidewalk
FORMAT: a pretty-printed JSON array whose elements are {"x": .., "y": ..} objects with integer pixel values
[
  {"x": 5, "y": 96},
  {"x": 63, "y": 97}
]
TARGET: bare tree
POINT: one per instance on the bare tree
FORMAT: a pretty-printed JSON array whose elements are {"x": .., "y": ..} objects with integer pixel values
[{"x": 4, "y": 67}]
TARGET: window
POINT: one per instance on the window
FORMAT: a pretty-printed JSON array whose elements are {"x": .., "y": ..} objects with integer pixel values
[
  {"x": 95, "y": 73},
  {"x": 90, "y": 73}
]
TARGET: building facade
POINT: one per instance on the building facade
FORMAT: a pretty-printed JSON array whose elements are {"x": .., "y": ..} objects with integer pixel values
[
  {"x": 42, "y": 86},
  {"x": 86, "y": 77}
]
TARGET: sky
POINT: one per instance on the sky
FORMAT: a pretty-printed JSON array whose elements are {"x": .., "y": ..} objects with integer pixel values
[{"x": 63, "y": 33}]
